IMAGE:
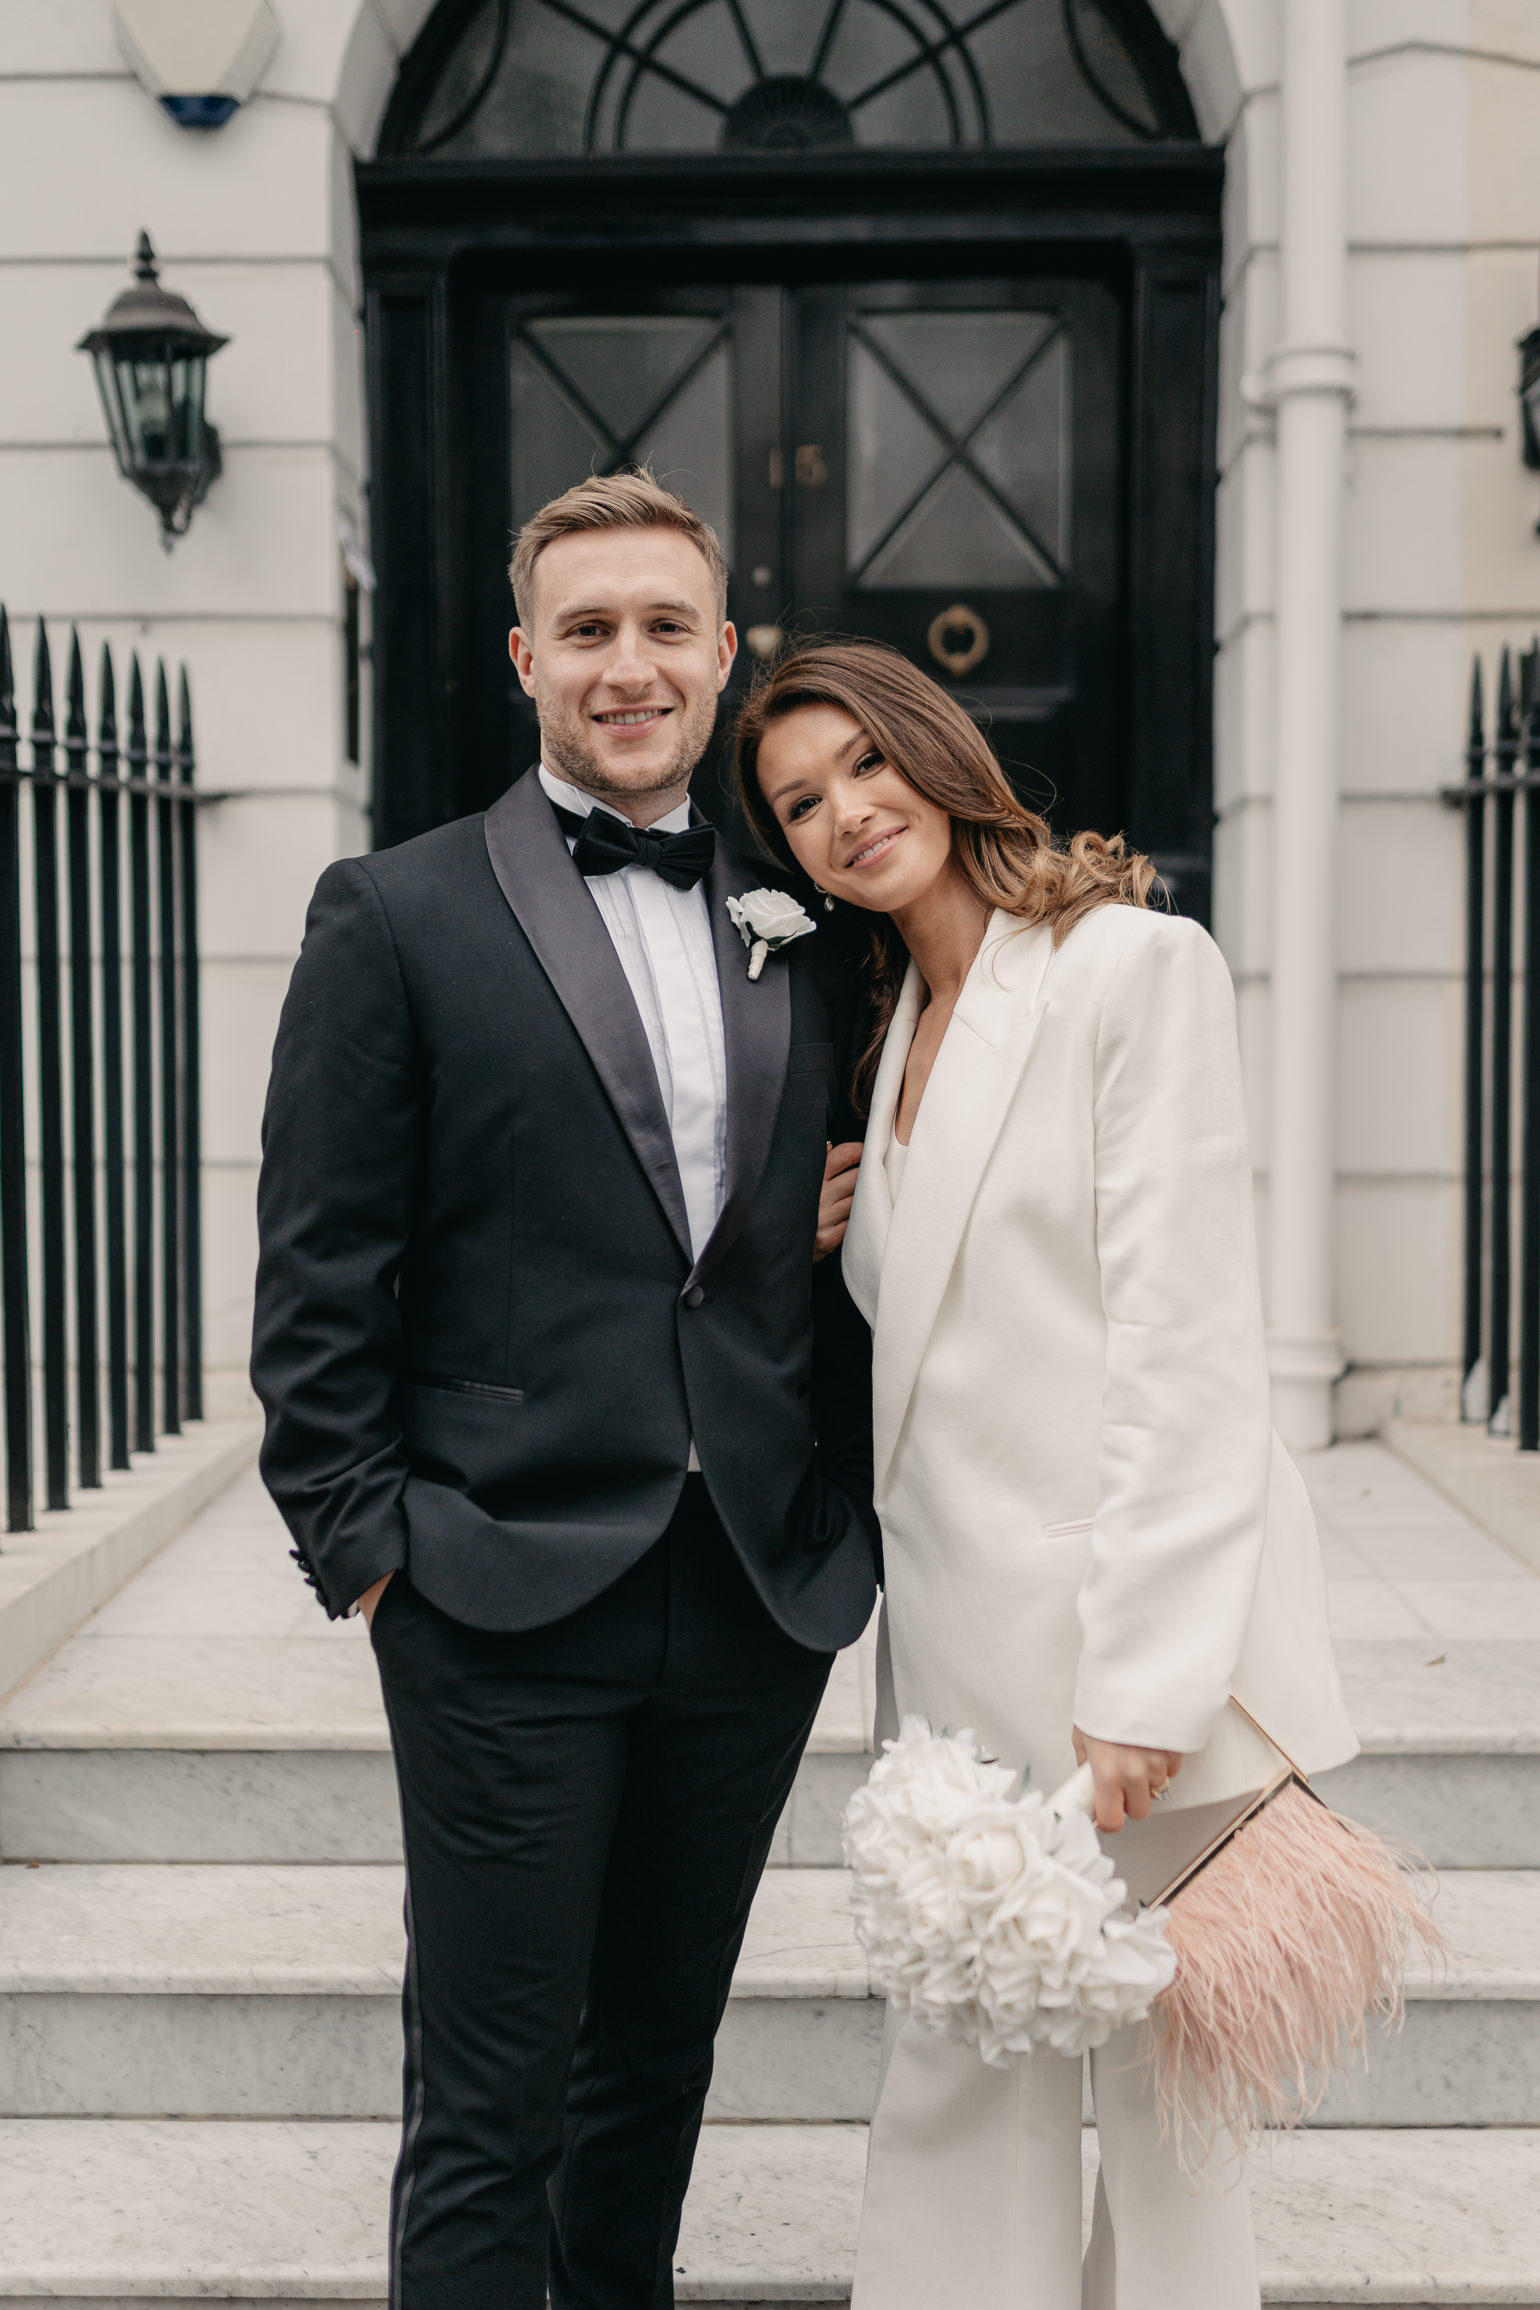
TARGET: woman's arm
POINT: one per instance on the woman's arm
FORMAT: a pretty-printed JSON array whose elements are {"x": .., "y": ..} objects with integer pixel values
[{"x": 1186, "y": 1419}]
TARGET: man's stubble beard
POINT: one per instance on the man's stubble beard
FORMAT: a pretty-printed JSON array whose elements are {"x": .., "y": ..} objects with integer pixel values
[{"x": 565, "y": 750}]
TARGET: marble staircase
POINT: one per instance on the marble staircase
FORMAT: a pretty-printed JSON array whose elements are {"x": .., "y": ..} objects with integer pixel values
[{"x": 200, "y": 1951}]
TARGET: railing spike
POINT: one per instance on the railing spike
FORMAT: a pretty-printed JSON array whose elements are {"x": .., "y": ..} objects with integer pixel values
[
  {"x": 75, "y": 715},
  {"x": 1507, "y": 726},
  {"x": 42, "y": 686},
  {"x": 107, "y": 704},
  {"x": 1476, "y": 735},
  {"x": 7, "y": 681}
]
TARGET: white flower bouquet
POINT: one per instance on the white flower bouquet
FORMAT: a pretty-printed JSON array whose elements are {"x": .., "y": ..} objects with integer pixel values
[{"x": 991, "y": 1914}]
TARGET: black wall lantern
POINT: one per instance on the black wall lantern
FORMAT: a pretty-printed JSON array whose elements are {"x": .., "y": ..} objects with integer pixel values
[{"x": 152, "y": 355}]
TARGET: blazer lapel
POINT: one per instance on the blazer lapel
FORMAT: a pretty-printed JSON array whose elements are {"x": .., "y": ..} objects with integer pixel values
[
  {"x": 557, "y": 914},
  {"x": 756, "y": 1028},
  {"x": 986, "y": 1046},
  {"x": 871, "y": 1213}
]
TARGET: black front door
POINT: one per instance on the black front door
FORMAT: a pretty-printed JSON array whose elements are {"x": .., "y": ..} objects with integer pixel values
[{"x": 932, "y": 464}]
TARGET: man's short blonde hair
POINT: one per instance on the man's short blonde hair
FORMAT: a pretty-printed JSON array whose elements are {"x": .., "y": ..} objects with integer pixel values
[{"x": 611, "y": 501}]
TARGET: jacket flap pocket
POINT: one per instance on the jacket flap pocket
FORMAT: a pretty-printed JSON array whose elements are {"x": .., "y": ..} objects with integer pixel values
[{"x": 452, "y": 1387}]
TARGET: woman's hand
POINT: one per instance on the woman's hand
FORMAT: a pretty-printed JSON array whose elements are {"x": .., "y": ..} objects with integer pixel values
[
  {"x": 839, "y": 1185},
  {"x": 1127, "y": 1780}
]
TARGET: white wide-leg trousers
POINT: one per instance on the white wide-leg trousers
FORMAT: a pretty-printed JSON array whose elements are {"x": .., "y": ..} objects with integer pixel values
[{"x": 973, "y": 2191}]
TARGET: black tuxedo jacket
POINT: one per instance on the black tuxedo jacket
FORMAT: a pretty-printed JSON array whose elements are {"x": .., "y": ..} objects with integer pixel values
[{"x": 481, "y": 1342}]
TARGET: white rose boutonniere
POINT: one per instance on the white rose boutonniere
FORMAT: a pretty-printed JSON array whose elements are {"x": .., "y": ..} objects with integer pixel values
[{"x": 767, "y": 920}]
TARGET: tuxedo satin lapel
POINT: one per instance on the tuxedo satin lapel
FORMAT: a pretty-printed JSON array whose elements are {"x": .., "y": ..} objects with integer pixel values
[
  {"x": 983, "y": 1054},
  {"x": 756, "y": 1027},
  {"x": 871, "y": 1213},
  {"x": 534, "y": 869}
]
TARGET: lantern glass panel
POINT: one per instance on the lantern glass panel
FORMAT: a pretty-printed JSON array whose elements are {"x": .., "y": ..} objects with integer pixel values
[
  {"x": 107, "y": 386},
  {"x": 155, "y": 405}
]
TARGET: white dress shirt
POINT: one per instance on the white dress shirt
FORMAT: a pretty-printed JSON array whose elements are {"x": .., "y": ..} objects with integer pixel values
[{"x": 663, "y": 938}]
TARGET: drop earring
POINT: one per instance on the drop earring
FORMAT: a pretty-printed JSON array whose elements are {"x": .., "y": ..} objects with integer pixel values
[{"x": 828, "y": 903}]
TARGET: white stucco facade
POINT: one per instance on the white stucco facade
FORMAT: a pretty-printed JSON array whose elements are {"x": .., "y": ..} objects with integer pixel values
[{"x": 1438, "y": 556}]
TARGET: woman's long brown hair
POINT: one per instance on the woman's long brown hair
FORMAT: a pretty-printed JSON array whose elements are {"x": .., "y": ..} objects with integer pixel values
[{"x": 1004, "y": 851}]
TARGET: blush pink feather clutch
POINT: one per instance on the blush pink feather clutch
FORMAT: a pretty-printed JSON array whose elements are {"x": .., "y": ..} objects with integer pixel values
[{"x": 1291, "y": 1930}]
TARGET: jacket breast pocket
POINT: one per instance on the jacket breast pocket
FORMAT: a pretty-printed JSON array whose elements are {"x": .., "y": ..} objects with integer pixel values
[{"x": 809, "y": 1058}]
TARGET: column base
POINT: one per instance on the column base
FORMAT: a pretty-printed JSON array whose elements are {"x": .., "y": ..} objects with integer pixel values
[{"x": 1303, "y": 1373}]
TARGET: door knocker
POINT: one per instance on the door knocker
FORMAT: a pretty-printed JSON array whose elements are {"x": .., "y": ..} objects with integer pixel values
[{"x": 958, "y": 639}]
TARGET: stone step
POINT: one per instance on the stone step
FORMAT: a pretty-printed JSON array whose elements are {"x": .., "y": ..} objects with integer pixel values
[
  {"x": 241, "y": 1992},
  {"x": 132, "y": 1746},
  {"x": 101, "y": 2215}
]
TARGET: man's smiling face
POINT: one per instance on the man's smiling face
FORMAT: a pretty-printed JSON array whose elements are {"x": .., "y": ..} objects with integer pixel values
[{"x": 625, "y": 656}]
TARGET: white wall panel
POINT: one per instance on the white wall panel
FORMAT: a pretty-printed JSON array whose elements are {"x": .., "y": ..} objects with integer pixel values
[
  {"x": 84, "y": 164},
  {"x": 1407, "y": 150},
  {"x": 259, "y": 859},
  {"x": 1504, "y": 112},
  {"x": 1506, "y": 28},
  {"x": 1401, "y": 548},
  {"x": 241, "y": 1002},
  {"x": 1243, "y": 715},
  {"x": 66, "y": 36},
  {"x": 1400, "y": 897},
  {"x": 1248, "y": 333},
  {"x": 1244, "y": 572},
  {"x": 1404, "y": 689},
  {"x": 1406, "y": 319},
  {"x": 50, "y": 396},
  {"x": 1243, "y": 893},
  {"x": 1398, "y": 1270},
  {"x": 229, "y": 1268},
  {"x": 77, "y": 540},
  {"x": 1398, "y": 1047},
  {"x": 1373, "y": 25}
]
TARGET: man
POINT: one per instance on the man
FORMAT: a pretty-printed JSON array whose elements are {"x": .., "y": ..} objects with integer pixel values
[{"x": 548, "y": 1400}]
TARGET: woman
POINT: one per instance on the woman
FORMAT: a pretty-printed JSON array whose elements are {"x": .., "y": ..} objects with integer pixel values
[{"x": 1090, "y": 1533}]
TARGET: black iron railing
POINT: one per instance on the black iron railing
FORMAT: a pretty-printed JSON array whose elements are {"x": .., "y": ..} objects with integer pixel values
[
  {"x": 1501, "y": 802},
  {"x": 115, "y": 1300}
]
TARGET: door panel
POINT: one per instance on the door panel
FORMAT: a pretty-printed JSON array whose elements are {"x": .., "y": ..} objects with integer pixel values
[
  {"x": 933, "y": 465},
  {"x": 978, "y": 455}
]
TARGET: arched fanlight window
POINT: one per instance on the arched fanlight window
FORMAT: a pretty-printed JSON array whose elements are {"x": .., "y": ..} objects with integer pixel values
[{"x": 540, "y": 79}]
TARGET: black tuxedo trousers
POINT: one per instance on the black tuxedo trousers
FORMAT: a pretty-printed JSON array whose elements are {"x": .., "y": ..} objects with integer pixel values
[
  {"x": 484, "y": 1344},
  {"x": 587, "y": 1810}
]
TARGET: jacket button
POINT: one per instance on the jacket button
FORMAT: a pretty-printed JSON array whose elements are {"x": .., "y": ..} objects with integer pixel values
[{"x": 695, "y": 1296}]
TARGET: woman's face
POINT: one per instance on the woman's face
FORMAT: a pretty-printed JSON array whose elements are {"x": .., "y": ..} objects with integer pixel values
[{"x": 853, "y": 822}]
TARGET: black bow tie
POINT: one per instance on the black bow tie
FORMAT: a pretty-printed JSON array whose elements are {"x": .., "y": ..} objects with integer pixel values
[{"x": 605, "y": 844}]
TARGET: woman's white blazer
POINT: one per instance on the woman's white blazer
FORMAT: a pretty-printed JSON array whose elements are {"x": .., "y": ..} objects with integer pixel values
[{"x": 1087, "y": 1518}]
